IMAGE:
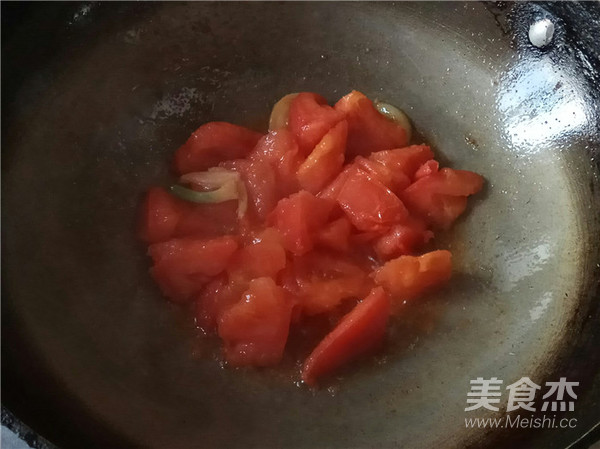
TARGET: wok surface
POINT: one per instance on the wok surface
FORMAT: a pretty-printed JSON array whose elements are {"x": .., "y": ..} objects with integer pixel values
[{"x": 93, "y": 355}]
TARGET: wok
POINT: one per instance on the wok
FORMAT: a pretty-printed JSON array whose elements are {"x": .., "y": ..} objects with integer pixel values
[{"x": 97, "y": 96}]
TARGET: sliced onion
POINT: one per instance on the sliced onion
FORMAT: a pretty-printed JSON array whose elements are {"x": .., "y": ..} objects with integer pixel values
[
  {"x": 224, "y": 185},
  {"x": 396, "y": 115},
  {"x": 211, "y": 179},
  {"x": 242, "y": 198},
  {"x": 280, "y": 113},
  {"x": 226, "y": 192}
]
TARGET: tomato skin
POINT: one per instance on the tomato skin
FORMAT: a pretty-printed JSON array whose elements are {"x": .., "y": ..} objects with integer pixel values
[
  {"x": 263, "y": 257},
  {"x": 358, "y": 332},
  {"x": 212, "y": 143},
  {"x": 183, "y": 266},
  {"x": 368, "y": 130},
  {"x": 440, "y": 198},
  {"x": 310, "y": 118},
  {"x": 255, "y": 329},
  {"x": 325, "y": 161},
  {"x": 298, "y": 218},
  {"x": 368, "y": 204},
  {"x": 160, "y": 216},
  {"x": 402, "y": 239},
  {"x": 405, "y": 160},
  {"x": 280, "y": 149},
  {"x": 408, "y": 277},
  {"x": 336, "y": 235}
]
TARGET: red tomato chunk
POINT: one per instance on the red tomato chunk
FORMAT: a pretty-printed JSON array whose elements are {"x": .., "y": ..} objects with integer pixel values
[
  {"x": 358, "y": 332},
  {"x": 310, "y": 119},
  {"x": 325, "y": 161},
  {"x": 368, "y": 204},
  {"x": 160, "y": 216},
  {"x": 368, "y": 130},
  {"x": 408, "y": 277},
  {"x": 441, "y": 197},
  {"x": 327, "y": 215},
  {"x": 183, "y": 266},
  {"x": 213, "y": 143},
  {"x": 256, "y": 328},
  {"x": 404, "y": 160},
  {"x": 299, "y": 217},
  {"x": 322, "y": 280}
]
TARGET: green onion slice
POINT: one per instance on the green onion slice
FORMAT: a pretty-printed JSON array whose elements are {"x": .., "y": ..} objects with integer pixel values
[
  {"x": 396, "y": 115},
  {"x": 221, "y": 184}
]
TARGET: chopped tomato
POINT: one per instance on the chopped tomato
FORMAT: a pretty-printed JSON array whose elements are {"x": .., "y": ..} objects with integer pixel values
[
  {"x": 212, "y": 143},
  {"x": 428, "y": 168},
  {"x": 261, "y": 185},
  {"x": 451, "y": 182},
  {"x": 298, "y": 218},
  {"x": 325, "y": 161},
  {"x": 280, "y": 149},
  {"x": 362, "y": 238},
  {"x": 441, "y": 197},
  {"x": 408, "y": 277},
  {"x": 358, "y": 332},
  {"x": 335, "y": 207},
  {"x": 208, "y": 257},
  {"x": 395, "y": 181},
  {"x": 159, "y": 217},
  {"x": 176, "y": 284},
  {"x": 405, "y": 160},
  {"x": 335, "y": 235},
  {"x": 402, "y": 239},
  {"x": 323, "y": 280},
  {"x": 333, "y": 189},
  {"x": 255, "y": 329},
  {"x": 182, "y": 266},
  {"x": 310, "y": 118},
  {"x": 325, "y": 295},
  {"x": 216, "y": 298},
  {"x": 206, "y": 220},
  {"x": 368, "y": 130},
  {"x": 264, "y": 257},
  {"x": 438, "y": 210},
  {"x": 375, "y": 170},
  {"x": 368, "y": 204}
]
